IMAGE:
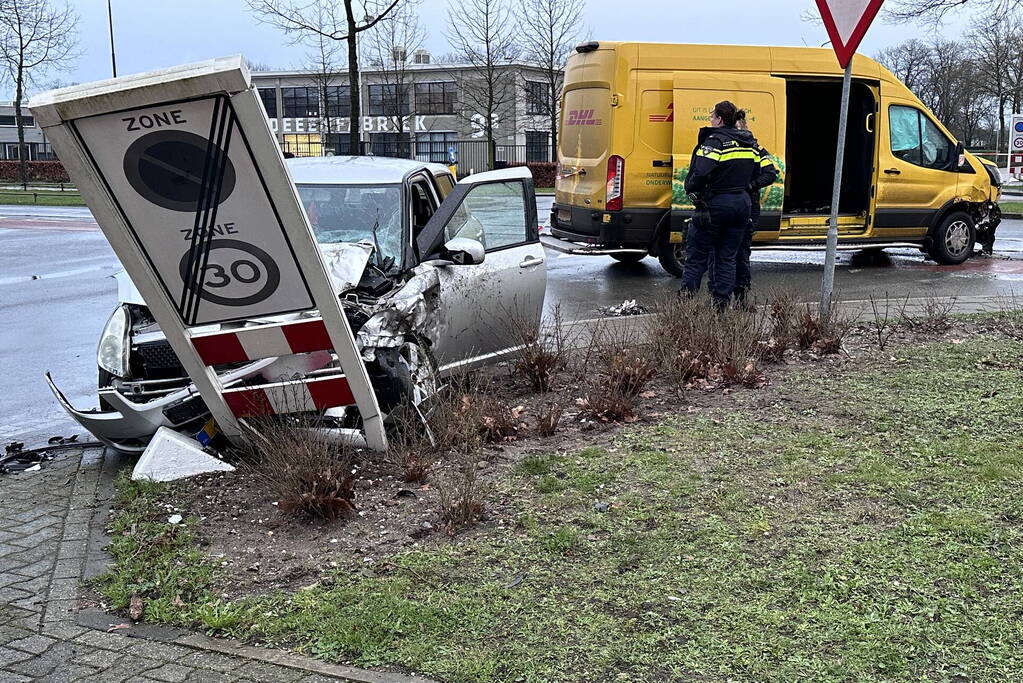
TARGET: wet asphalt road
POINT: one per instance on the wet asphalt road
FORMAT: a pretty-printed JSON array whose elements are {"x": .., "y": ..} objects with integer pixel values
[{"x": 56, "y": 292}]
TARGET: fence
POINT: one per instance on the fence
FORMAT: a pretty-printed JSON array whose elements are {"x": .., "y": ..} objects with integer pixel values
[{"x": 470, "y": 156}]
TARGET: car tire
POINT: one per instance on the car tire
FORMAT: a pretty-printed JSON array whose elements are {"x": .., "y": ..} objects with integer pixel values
[
  {"x": 628, "y": 257},
  {"x": 954, "y": 239},
  {"x": 671, "y": 256}
]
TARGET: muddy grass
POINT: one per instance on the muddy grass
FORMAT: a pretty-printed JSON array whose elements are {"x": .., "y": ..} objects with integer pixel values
[{"x": 855, "y": 516}]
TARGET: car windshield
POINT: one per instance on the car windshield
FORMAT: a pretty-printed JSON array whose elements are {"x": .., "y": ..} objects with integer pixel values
[{"x": 357, "y": 213}]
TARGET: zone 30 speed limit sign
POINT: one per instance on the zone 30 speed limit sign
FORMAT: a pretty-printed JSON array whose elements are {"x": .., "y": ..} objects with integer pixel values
[
  {"x": 186, "y": 182},
  {"x": 189, "y": 186}
]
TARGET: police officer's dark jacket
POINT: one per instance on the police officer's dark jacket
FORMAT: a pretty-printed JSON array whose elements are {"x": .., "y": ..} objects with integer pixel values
[
  {"x": 765, "y": 175},
  {"x": 726, "y": 159}
]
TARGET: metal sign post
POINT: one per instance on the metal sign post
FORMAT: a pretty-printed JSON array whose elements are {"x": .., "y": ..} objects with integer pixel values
[
  {"x": 189, "y": 187},
  {"x": 847, "y": 22}
]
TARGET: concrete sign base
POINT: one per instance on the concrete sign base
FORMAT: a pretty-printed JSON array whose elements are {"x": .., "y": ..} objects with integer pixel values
[{"x": 171, "y": 456}]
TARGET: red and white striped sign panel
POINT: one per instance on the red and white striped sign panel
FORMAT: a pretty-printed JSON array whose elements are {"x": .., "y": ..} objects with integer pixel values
[
  {"x": 265, "y": 341},
  {"x": 281, "y": 398},
  {"x": 847, "y": 21}
]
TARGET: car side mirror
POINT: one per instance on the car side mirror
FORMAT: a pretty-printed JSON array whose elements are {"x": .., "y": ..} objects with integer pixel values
[{"x": 462, "y": 251}]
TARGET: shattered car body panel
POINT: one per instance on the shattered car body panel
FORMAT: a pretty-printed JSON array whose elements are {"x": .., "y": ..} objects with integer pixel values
[{"x": 412, "y": 321}]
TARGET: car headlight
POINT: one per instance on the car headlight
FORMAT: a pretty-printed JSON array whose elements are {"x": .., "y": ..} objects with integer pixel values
[{"x": 112, "y": 353}]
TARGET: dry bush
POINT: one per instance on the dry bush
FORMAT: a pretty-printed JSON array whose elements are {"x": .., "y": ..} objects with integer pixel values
[
  {"x": 543, "y": 353},
  {"x": 823, "y": 335},
  {"x": 695, "y": 342},
  {"x": 460, "y": 491},
  {"x": 548, "y": 418},
  {"x": 410, "y": 444},
  {"x": 886, "y": 317},
  {"x": 621, "y": 367},
  {"x": 937, "y": 313},
  {"x": 470, "y": 412},
  {"x": 783, "y": 312},
  {"x": 306, "y": 470}
]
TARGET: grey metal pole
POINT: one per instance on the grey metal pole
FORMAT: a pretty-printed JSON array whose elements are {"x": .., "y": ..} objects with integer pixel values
[
  {"x": 110, "y": 23},
  {"x": 828, "y": 284}
]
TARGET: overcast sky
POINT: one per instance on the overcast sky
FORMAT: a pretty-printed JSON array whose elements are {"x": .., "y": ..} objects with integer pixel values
[{"x": 150, "y": 34}]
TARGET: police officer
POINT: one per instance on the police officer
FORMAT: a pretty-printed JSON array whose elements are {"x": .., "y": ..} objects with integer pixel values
[
  {"x": 765, "y": 176},
  {"x": 720, "y": 173}
]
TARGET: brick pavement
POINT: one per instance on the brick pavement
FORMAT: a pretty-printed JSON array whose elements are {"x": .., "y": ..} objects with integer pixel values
[{"x": 45, "y": 519}]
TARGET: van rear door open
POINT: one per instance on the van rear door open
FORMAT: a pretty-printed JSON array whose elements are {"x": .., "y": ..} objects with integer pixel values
[{"x": 763, "y": 98}]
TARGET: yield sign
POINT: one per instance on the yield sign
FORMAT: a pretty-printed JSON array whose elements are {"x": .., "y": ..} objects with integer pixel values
[{"x": 847, "y": 21}]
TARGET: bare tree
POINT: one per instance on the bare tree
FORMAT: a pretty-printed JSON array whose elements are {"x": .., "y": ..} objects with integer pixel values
[
  {"x": 392, "y": 45},
  {"x": 325, "y": 59},
  {"x": 482, "y": 33},
  {"x": 994, "y": 43},
  {"x": 36, "y": 39},
  {"x": 550, "y": 28},
  {"x": 935, "y": 11},
  {"x": 908, "y": 61},
  {"x": 333, "y": 19}
]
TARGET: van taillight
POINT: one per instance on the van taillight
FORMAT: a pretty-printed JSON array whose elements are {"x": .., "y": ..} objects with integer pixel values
[{"x": 615, "y": 178}]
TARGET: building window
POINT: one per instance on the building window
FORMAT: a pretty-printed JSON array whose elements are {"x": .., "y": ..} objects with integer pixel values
[
  {"x": 5, "y": 120},
  {"x": 339, "y": 100},
  {"x": 300, "y": 103},
  {"x": 388, "y": 100},
  {"x": 390, "y": 145},
  {"x": 44, "y": 152},
  {"x": 537, "y": 97},
  {"x": 434, "y": 147},
  {"x": 538, "y": 146},
  {"x": 336, "y": 144},
  {"x": 303, "y": 145},
  {"x": 435, "y": 98},
  {"x": 269, "y": 97}
]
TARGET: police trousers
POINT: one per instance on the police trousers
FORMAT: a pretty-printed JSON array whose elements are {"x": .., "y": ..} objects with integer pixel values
[
  {"x": 743, "y": 275},
  {"x": 716, "y": 232}
]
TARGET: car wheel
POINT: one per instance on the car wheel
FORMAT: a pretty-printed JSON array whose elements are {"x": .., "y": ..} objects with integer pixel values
[
  {"x": 954, "y": 239},
  {"x": 628, "y": 257},
  {"x": 672, "y": 256}
]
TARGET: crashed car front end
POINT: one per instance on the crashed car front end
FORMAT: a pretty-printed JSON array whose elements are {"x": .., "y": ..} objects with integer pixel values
[{"x": 143, "y": 386}]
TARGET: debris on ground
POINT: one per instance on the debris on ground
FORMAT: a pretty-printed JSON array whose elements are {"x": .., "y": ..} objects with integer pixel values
[
  {"x": 626, "y": 308},
  {"x": 171, "y": 456}
]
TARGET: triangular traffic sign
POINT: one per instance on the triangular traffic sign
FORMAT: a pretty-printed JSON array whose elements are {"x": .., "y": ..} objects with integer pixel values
[{"x": 847, "y": 21}]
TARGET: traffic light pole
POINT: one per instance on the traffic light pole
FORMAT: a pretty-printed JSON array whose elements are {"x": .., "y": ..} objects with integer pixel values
[{"x": 828, "y": 283}]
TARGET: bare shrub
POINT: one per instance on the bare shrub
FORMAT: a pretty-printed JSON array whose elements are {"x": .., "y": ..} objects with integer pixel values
[
  {"x": 548, "y": 418},
  {"x": 937, "y": 313},
  {"x": 460, "y": 491},
  {"x": 823, "y": 335},
  {"x": 783, "y": 310},
  {"x": 410, "y": 445},
  {"x": 305, "y": 469},
  {"x": 886, "y": 317},
  {"x": 694, "y": 342},
  {"x": 469, "y": 412},
  {"x": 542, "y": 352},
  {"x": 622, "y": 366}
]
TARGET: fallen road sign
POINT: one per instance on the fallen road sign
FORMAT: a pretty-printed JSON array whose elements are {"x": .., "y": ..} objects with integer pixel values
[{"x": 185, "y": 179}]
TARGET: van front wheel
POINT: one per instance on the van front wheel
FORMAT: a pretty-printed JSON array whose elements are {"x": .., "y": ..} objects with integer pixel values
[
  {"x": 954, "y": 239},
  {"x": 672, "y": 256}
]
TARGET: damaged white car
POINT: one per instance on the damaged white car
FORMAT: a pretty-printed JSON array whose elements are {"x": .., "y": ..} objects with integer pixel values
[{"x": 433, "y": 276}]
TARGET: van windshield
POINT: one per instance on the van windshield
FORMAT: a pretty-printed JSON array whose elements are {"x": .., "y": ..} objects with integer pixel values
[
  {"x": 585, "y": 123},
  {"x": 357, "y": 213}
]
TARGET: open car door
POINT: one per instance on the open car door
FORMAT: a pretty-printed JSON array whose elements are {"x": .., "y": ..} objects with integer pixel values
[{"x": 486, "y": 306}]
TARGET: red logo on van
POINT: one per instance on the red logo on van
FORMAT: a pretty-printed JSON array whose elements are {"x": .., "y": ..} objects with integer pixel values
[
  {"x": 664, "y": 118},
  {"x": 582, "y": 117}
]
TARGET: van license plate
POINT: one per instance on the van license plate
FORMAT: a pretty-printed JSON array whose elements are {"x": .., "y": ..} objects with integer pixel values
[{"x": 565, "y": 215}]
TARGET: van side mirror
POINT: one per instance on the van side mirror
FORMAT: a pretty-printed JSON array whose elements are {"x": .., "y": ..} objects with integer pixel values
[{"x": 461, "y": 251}]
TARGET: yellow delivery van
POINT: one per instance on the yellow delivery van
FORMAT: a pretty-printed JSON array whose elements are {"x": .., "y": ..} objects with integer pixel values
[{"x": 630, "y": 113}]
